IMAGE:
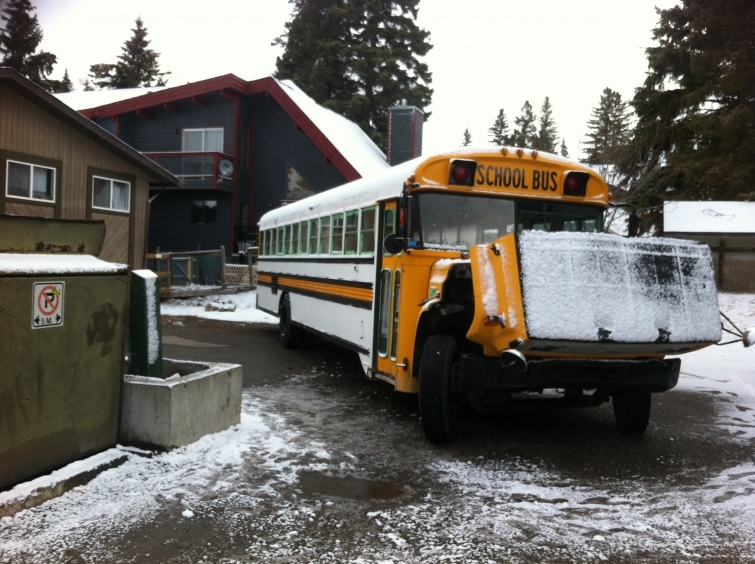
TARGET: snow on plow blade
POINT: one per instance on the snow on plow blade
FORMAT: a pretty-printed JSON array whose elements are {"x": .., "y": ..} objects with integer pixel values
[{"x": 593, "y": 287}]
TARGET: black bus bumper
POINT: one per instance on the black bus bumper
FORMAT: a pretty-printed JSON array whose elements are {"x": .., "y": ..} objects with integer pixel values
[{"x": 486, "y": 373}]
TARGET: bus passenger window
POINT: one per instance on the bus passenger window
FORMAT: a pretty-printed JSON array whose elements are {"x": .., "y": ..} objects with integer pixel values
[
  {"x": 287, "y": 240},
  {"x": 281, "y": 239},
  {"x": 313, "y": 236},
  {"x": 367, "y": 232},
  {"x": 303, "y": 238},
  {"x": 337, "y": 233},
  {"x": 295, "y": 239},
  {"x": 325, "y": 235},
  {"x": 351, "y": 232}
]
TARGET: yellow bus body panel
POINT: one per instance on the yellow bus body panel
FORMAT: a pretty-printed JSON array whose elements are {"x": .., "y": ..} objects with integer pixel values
[{"x": 495, "y": 267}]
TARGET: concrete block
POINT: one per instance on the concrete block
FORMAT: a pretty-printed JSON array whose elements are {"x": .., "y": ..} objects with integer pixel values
[{"x": 200, "y": 398}]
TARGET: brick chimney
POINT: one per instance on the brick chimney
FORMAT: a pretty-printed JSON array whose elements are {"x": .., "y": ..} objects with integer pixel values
[{"x": 404, "y": 133}]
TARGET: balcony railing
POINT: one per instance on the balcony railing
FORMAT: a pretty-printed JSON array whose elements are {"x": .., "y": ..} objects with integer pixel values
[{"x": 198, "y": 170}]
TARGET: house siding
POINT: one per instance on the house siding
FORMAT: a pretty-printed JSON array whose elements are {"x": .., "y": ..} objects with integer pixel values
[
  {"x": 170, "y": 227},
  {"x": 279, "y": 143},
  {"x": 28, "y": 129}
]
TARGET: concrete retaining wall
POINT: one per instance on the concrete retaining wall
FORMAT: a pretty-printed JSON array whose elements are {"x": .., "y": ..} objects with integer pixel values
[{"x": 201, "y": 398}]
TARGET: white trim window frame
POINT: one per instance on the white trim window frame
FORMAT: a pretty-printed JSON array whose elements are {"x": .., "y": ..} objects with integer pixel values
[
  {"x": 201, "y": 143},
  {"x": 114, "y": 197},
  {"x": 32, "y": 177}
]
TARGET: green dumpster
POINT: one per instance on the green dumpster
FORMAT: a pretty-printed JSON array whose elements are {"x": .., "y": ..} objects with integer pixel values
[{"x": 62, "y": 327}]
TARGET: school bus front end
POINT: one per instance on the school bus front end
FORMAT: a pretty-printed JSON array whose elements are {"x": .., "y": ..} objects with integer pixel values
[{"x": 536, "y": 298}]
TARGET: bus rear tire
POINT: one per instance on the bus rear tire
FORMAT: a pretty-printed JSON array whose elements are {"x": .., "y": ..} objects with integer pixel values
[
  {"x": 632, "y": 411},
  {"x": 437, "y": 405},
  {"x": 290, "y": 335}
]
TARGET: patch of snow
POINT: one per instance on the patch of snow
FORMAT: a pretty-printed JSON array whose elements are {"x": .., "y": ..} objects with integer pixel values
[
  {"x": 153, "y": 334},
  {"x": 87, "y": 99},
  {"x": 243, "y": 303},
  {"x": 487, "y": 283},
  {"x": 709, "y": 217},
  {"x": 574, "y": 284},
  {"x": 346, "y": 136},
  {"x": 56, "y": 264}
]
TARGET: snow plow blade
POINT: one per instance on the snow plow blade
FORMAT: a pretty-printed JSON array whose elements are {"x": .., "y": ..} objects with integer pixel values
[{"x": 594, "y": 295}]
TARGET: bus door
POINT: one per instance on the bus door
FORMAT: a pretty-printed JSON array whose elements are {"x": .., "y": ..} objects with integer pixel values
[{"x": 389, "y": 296}]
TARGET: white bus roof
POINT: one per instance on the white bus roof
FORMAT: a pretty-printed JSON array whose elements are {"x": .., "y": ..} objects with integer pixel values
[{"x": 377, "y": 187}]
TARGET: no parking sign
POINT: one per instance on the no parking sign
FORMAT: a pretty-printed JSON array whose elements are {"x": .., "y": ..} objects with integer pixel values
[{"x": 47, "y": 304}]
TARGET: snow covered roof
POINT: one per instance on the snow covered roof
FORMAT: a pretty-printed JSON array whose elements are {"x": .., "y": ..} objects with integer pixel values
[
  {"x": 57, "y": 264},
  {"x": 377, "y": 187},
  {"x": 342, "y": 140},
  {"x": 709, "y": 217},
  {"x": 347, "y": 136},
  {"x": 85, "y": 100}
]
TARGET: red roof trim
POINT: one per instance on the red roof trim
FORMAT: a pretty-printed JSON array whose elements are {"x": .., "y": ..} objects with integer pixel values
[{"x": 227, "y": 83}]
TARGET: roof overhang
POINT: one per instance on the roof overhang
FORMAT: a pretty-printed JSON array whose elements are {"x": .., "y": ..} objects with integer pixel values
[
  {"x": 231, "y": 86},
  {"x": 72, "y": 118}
]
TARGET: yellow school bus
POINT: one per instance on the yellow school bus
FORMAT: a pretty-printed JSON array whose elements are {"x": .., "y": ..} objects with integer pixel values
[{"x": 483, "y": 277}]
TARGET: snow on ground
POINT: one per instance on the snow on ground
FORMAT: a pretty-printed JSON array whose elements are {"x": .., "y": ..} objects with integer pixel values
[
  {"x": 728, "y": 369},
  {"x": 491, "y": 511},
  {"x": 241, "y": 307}
]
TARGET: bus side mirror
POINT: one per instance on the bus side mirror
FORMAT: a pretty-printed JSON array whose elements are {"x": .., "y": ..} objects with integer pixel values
[
  {"x": 633, "y": 227},
  {"x": 393, "y": 244}
]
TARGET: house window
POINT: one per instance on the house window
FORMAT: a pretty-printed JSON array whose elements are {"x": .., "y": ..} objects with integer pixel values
[
  {"x": 204, "y": 211},
  {"x": 30, "y": 181},
  {"x": 110, "y": 194},
  {"x": 203, "y": 140}
]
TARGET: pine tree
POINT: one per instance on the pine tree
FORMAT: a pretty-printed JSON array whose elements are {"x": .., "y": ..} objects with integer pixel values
[
  {"x": 499, "y": 131},
  {"x": 695, "y": 135},
  {"x": 467, "y": 139},
  {"x": 357, "y": 57},
  {"x": 60, "y": 86},
  {"x": 137, "y": 65},
  {"x": 609, "y": 130},
  {"x": 564, "y": 152},
  {"x": 525, "y": 132},
  {"x": 546, "y": 138},
  {"x": 19, "y": 40}
]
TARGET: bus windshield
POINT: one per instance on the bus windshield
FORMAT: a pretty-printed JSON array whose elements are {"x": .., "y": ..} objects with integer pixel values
[{"x": 456, "y": 221}]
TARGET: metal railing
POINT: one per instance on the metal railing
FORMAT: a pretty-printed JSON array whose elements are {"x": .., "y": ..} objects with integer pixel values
[
  {"x": 196, "y": 169},
  {"x": 246, "y": 237}
]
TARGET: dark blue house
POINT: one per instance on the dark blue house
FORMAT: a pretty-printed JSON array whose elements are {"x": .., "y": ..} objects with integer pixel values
[{"x": 241, "y": 148}]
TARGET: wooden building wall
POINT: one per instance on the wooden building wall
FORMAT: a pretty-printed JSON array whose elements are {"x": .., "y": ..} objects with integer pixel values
[{"x": 28, "y": 129}]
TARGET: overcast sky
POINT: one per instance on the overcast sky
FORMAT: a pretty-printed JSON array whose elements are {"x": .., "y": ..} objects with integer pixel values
[{"x": 487, "y": 55}]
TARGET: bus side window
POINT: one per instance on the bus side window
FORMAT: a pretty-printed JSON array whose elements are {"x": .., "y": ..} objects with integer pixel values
[
  {"x": 294, "y": 239},
  {"x": 303, "y": 238},
  {"x": 389, "y": 225},
  {"x": 351, "y": 233},
  {"x": 314, "y": 234},
  {"x": 262, "y": 242},
  {"x": 337, "y": 233},
  {"x": 367, "y": 232},
  {"x": 281, "y": 245},
  {"x": 325, "y": 235},
  {"x": 385, "y": 312}
]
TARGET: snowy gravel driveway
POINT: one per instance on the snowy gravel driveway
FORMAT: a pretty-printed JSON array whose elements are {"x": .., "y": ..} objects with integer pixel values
[{"x": 329, "y": 467}]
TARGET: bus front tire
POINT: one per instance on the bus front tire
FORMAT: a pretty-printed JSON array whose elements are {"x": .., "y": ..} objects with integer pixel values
[
  {"x": 289, "y": 334},
  {"x": 632, "y": 411},
  {"x": 437, "y": 404}
]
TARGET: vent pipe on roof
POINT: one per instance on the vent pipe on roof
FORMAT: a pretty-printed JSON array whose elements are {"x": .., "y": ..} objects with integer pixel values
[{"x": 404, "y": 133}]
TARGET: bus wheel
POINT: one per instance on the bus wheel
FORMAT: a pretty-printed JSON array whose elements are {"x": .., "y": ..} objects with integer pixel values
[
  {"x": 290, "y": 335},
  {"x": 632, "y": 411},
  {"x": 437, "y": 405}
]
